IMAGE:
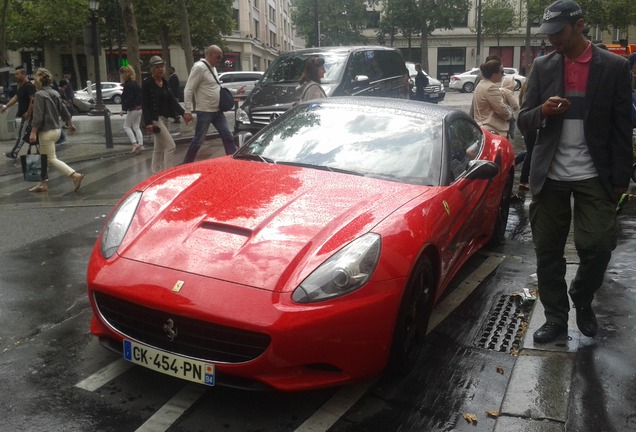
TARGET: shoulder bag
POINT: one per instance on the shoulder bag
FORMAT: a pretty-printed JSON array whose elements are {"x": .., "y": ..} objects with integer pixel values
[{"x": 226, "y": 100}]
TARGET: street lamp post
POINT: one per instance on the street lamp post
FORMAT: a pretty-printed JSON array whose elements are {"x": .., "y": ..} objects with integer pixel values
[{"x": 100, "y": 109}]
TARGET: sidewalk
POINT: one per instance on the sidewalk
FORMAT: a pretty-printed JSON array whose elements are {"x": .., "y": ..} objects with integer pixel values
[{"x": 88, "y": 141}]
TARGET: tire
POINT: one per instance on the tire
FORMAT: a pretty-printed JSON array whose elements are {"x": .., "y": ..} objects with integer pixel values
[
  {"x": 468, "y": 87},
  {"x": 499, "y": 233},
  {"x": 412, "y": 321},
  {"x": 634, "y": 172},
  {"x": 117, "y": 99},
  {"x": 517, "y": 85}
]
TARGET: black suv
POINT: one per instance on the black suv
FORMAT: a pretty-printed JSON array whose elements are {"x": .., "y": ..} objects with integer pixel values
[{"x": 349, "y": 71}]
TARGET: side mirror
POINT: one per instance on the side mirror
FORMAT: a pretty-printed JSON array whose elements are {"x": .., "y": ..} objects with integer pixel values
[{"x": 481, "y": 170}]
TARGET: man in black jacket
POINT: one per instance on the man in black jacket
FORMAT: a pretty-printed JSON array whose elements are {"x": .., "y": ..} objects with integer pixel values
[
  {"x": 24, "y": 99},
  {"x": 578, "y": 99}
]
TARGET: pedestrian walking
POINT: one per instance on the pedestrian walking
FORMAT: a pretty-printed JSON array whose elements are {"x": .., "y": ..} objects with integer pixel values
[
  {"x": 204, "y": 87},
  {"x": 46, "y": 128},
  {"x": 489, "y": 106},
  {"x": 578, "y": 98},
  {"x": 158, "y": 105},
  {"x": 421, "y": 81},
  {"x": 173, "y": 80},
  {"x": 309, "y": 86},
  {"x": 131, "y": 106},
  {"x": 24, "y": 98}
]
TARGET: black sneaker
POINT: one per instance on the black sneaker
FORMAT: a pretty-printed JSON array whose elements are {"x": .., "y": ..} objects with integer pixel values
[{"x": 10, "y": 155}]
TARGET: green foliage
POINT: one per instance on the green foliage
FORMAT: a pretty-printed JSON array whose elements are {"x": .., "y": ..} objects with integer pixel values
[
  {"x": 32, "y": 23},
  {"x": 341, "y": 21},
  {"x": 498, "y": 18}
]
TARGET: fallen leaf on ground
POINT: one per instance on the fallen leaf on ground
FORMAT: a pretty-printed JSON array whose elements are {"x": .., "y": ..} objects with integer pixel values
[
  {"x": 470, "y": 418},
  {"x": 500, "y": 370},
  {"x": 492, "y": 414}
]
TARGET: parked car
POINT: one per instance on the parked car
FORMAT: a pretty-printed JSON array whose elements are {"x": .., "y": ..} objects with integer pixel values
[
  {"x": 520, "y": 79},
  {"x": 433, "y": 92},
  {"x": 349, "y": 71},
  {"x": 312, "y": 257},
  {"x": 465, "y": 81},
  {"x": 83, "y": 105},
  {"x": 111, "y": 92},
  {"x": 240, "y": 83}
]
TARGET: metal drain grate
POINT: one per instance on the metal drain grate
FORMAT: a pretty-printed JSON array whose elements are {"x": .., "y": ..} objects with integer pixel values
[{"x": 505, "y": 326}]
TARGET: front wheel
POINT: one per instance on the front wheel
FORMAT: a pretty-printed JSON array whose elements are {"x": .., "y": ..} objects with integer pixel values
[
  {"x": 468, "y": 87},
  {"x": 517, "y": 85},
  {"x": 117, "y": 99},
  {"x": 412, "y": 321}
]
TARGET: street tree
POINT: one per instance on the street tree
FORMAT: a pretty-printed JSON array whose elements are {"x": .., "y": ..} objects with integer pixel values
[
  {"x": 340, "y": 21},
  {"x": 186, "y": 22},
  {"x": 4, "y": 8},
  {"x": 498, "y": 19},
  {"x": 402, "y": 16},
  {"x": 132, "y": 36},
  {"x": 29, "y": 24}
]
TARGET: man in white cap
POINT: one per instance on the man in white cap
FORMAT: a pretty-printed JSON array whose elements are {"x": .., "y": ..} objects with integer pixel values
[
  {"x": 578, "y": 99},
  {"x": 203, "y": 87}
]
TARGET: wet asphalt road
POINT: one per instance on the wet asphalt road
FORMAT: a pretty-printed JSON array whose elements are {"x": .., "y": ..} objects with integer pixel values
[{"x": 46, "y": 349}]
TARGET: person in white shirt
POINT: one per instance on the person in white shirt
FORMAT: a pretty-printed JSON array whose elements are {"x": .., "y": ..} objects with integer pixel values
[{"x": 203, "y": 87}]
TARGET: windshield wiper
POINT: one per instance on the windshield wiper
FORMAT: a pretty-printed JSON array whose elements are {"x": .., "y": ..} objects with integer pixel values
[
  {"x": 321, "y": 167},
  {"x": 254, "y": 157}
]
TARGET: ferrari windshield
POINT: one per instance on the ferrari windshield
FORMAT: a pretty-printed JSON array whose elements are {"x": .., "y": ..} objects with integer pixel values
[
  {"x": 376, "y": 142},
  {"x": 288, "y": 68}
]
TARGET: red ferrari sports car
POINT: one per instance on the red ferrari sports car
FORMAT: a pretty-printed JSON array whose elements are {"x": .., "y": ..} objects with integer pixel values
[{"x": 312, "y": 257}]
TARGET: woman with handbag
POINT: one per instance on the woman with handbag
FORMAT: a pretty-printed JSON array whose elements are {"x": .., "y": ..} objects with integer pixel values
[
  {"x": 158, "y": 104},
  {"x": 46, "y": 128},
  {"x": 131, "y": 106}
]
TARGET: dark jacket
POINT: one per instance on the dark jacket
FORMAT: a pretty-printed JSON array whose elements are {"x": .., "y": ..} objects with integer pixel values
[
  {"x": 607, "y": 117},
  {"x": 158, "y": 101},
  {"x": 131, "y": 96}
]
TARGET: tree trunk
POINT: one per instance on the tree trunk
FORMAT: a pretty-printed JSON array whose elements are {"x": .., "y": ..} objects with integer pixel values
[
  {"x": 424, "y": 48},
  {"x": 77, "y": 78},
  {"x": 164, "y": 37},
  {"x": 132, "y": 36},
  {"x": 528, "y": 54},
  {"x": 3, "y": 32},
  {"x": 186, "y": 42}
]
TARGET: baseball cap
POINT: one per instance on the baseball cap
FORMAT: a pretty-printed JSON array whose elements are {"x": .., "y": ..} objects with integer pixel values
[{"x": 558, "y": 14}]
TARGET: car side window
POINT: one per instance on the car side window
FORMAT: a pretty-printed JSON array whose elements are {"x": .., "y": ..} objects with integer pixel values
[
  {"x": 389, "y": 64},
  {"x": 465, "y": 140},
  {"x": 359, "y": 65}
]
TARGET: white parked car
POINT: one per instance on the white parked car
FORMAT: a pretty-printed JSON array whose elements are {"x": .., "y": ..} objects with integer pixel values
[
  {"x": 465, "y": 81},
  {"x": 111, "y": 92},
  {"x": 240, "y": 83}
]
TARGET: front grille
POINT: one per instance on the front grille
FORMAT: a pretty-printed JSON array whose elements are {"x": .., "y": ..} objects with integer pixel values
[
  {"x": 433, "y": 89},
  {"x": 195, "y": 338},
  {"x": 266, "y": 117}
]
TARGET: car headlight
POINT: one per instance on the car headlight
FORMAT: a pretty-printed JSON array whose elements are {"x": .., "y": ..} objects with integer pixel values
[
  {"x": 346, "y": 271},
  {"x": 118, "y": 224},
  {"x": 241, "y": 116}
]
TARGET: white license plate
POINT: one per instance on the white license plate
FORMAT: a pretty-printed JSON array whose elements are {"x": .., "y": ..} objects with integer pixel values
[
  {"x": 169, "y": 364},
  {"x": 434, "y": 95}
]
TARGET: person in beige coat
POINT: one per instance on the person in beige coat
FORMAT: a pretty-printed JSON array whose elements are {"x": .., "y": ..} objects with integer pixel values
[
  {"x": 508, "y": 85},
  {"x": 490, "y": 109}
]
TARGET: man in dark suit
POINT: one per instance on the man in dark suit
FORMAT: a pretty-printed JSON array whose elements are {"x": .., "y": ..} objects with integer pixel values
[{"x": 578, "y": 100}]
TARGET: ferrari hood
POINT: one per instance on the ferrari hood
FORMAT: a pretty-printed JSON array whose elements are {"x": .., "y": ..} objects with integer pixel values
[{"x": 256, "y": 224}]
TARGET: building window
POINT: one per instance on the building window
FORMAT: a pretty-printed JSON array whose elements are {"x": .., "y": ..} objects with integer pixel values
[{"x": 373, "y": 19}]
